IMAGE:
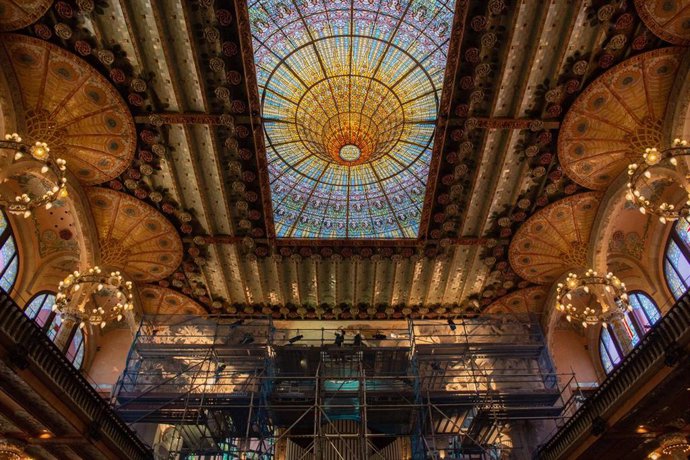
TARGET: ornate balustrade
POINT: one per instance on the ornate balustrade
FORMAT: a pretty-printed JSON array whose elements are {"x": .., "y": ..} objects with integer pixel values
[
  {"x": 663, "y": 346},
  {"x": 28, "y": 347}
]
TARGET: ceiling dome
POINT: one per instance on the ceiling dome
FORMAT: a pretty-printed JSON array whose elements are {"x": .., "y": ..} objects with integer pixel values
[
  {"x": 350, "y": 95},
  {"x": 667, "y": 19},
  {"x": 555, "y": 239},
  {"x": 15, "y": 15},
  {"x": 156, "y": 300},
  {"x": 73, "y": 108},
  {"x": 617, "y": 117},
  {"x": 529, "y": 300},
  {"x": 133, "y": 236}
]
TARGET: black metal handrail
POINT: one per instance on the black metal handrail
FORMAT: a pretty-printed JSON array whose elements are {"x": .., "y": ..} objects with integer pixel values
[
  {"x": 658, "y": 348},
  {"x": 30, "y": 346}
]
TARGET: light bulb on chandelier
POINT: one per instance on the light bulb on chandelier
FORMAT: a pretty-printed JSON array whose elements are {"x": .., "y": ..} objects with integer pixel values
[
  {"x": 24, "y": 203},
  {"x": 611, "y": 298},
  {"x": 638, "y": 172},
  {"x": 77, "y": 290}
]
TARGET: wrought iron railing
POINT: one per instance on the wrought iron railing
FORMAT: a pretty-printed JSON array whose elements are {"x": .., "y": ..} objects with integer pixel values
[
  {"x": 29, "y": 347},
  {"x": 661, "y": 347}
]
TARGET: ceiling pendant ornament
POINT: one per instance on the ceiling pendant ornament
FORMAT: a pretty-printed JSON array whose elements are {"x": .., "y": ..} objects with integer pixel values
[
  {"x": 609, "y": 293},
  {"x": 640, "y": 172},
  {"x": 94, "y": 297},
  {"x": 53, "y": 170},
  {"x": 10, "y": 451},
  {"x": 675, "y": 445}
]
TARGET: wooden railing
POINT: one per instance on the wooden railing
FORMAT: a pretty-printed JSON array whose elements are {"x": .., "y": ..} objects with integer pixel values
[
  {"x": 29, "y": 347},
  {"x": 663, "y": 346}
]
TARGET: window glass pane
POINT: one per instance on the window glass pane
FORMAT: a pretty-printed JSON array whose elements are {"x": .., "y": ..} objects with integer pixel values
[
  {"x": 682, "y": 228},
  {"x": 7, "y": 253},
  {"x": 638, "y": 312},
  {"x": 79, "y": 358},
  {"x": 645, "y": 311},
  {"x": 650, "y": 309},
  {"x": 75, "y": 344},
  {"x": 630, "y": 330},
  {"x": 674, "y": 264},
  {"x": 3, "y": 223},
  {"x": 605, "y": 360},
  {"x": 55, "y": 327},
  {"x": 35, "y": 305},
  {"x": 673, "y": 280},
  {"x": 610, "y": 347},
  {"x": 10, "y": 275}
]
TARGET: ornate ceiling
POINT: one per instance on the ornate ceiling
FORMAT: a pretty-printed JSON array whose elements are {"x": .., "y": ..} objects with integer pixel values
[
  {"x": 349, "y": 95},
  {"x": 481, "y": 116}
]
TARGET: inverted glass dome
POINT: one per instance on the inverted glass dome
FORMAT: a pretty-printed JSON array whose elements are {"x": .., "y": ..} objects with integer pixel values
[{"x": 350, "y": 93}]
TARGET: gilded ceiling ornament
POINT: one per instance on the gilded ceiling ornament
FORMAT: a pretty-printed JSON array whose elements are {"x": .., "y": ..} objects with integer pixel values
[{"x": 74, "y": 109}]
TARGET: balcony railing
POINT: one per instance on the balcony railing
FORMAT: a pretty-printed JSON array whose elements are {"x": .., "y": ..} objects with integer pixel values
[
  {"x": 30, "y": 348},
  {"x": 661, "y": 347}
]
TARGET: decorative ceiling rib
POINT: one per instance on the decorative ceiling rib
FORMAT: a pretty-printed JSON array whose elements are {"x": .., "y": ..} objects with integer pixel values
[{"x": 186, "y": 69}]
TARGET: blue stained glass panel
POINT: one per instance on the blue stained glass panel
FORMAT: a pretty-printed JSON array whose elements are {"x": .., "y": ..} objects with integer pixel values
[
  {"x": 605, "y": 360},
  {"x": 55, "y": 327},
  {"x": 608, "y": 350},
  {"x": 350, "y": 94},
  {"x": 40, "y": 308},
  {"x": 676, "y": 269}
]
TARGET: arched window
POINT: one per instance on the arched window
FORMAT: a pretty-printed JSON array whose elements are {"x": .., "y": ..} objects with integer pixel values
[
  {"x": 635, "y": 325},
  {"x": 40, "y": 309},
  {"x": 677, "y": 259},
  {"x": 608, "y": 350},
  {"x": 9, "y": 259}
]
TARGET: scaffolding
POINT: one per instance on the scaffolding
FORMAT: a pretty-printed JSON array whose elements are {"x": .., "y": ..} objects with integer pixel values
[{"x": 226, "y": 388}]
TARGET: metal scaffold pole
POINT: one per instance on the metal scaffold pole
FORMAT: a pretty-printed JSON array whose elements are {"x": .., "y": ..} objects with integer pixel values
[{"x": 223, "y": 387}]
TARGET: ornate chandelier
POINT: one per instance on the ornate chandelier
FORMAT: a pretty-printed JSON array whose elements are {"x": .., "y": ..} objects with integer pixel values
[
  {"x": 611, "y": 298},
  {"x": 666, "y": 212},
  {"x": 23, "y": 204},
  {"x": 10, "y": 451},
  {"x": 79, "y": 289}
]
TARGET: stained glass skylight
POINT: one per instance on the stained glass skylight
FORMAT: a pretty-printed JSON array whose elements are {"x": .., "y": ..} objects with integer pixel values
[{"x": 350, "y": 92}]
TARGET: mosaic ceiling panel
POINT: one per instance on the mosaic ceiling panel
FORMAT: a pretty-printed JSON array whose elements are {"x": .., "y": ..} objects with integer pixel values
[
  {"x": 668, "y": 19},
  {"x": 133, "y": 236},
  {"x": 617, "y": 117},
  {"x": 72, "y": 108},
  {"x": 555, "y": 239},
  {"x": 350, "y": 93}
]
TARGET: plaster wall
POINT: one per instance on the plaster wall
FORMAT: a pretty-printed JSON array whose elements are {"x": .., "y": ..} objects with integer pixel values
[
  {"x": 570, "y": 355},
  {"x": 110, "y": 358}
]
